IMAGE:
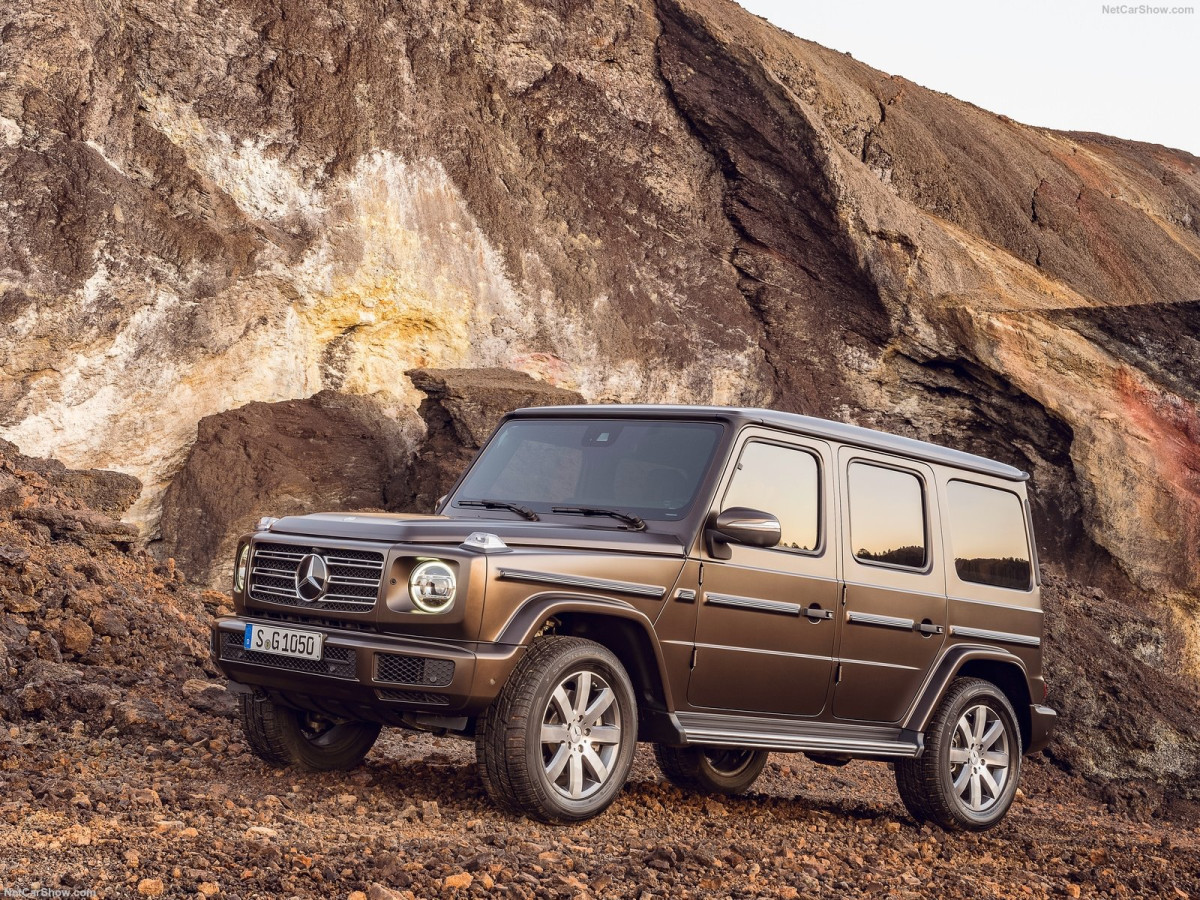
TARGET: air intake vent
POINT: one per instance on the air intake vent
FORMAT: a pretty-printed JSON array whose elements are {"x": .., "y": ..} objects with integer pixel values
[
  {"x": 413, "y": 669},
  {"x": 350, "y": 578}
]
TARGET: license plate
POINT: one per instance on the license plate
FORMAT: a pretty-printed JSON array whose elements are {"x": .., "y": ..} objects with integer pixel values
[{"x": 283, "y": 641}]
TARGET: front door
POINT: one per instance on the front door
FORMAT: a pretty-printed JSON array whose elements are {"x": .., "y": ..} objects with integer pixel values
[
  {"x": 765, "y": 626},
  {"x": 894, "y": 609}
]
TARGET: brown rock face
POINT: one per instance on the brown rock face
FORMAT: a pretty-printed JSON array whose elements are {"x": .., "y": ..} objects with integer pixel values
[
  {"x": 330, "y": 452},
  {"x": 461, "y": 408},
  {"x": 327, "y": 453}
]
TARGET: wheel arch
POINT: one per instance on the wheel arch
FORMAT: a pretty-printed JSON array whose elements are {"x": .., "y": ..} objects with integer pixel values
[
  {"x": 623, "y": 629},
  {"x": 1003, "y": 669}
]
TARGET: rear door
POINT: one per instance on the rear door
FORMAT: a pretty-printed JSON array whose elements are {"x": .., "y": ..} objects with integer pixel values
[
  {"x": 765, "y": 628},
  {"x": 893, "y": 613}
]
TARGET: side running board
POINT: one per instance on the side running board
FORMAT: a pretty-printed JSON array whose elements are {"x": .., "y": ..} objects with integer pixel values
[{"x": 860, "y": 741}]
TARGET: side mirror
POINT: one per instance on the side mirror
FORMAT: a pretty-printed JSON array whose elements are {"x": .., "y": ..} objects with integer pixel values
[
  {"x": 741, "y": 525},
  {"x": 440, "y": 501}
]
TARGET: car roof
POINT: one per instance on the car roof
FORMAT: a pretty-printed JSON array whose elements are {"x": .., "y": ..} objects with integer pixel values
[{"x": 827, "y": 429}]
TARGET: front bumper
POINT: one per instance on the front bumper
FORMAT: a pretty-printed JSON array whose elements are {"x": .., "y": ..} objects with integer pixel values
[
  {"x": 372, "y": 675},
  {"x": 1042, "y": 720}
]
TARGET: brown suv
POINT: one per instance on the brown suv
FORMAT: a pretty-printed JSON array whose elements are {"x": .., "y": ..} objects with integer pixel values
[{"x": 720, "y": 582}]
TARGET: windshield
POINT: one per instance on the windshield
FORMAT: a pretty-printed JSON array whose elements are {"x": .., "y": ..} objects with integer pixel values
[{"x": 647, "y": 469}]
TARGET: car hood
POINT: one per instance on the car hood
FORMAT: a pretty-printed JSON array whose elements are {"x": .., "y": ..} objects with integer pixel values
[{"x": 418, "y": 529}]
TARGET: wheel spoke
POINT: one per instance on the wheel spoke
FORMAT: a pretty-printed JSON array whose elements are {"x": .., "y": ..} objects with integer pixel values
[
  {"x": 583, "y": 689},
  {"x": 961, "y": 781},
  {"x": 992, "y": 735},
  {"x": 958, "y": 756},
  {"x": 554, "y": 733},
  {"x": 575, "y": 776},
  {"x": 592, "y": 714},
  {"x": 964, "y": 728},
  {"x": 605, "y": 734},
  {"x": 596, "y": 764},
  {"x": 996, "y": 760},
  {"x": 980, "y": 722},
  {"x": 976, "y": 800},
  {"x": 563, "y": 704},
  {"x": 992, "y": 786},
  {"x": 558, "y": 763}
]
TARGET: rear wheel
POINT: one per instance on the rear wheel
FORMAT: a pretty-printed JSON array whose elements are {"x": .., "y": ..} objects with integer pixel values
[
  {"x": 711, "y": 770},
  {"x": 558, "y": 741},
  {"x": 967, "y": 777},
  {"x": 283, "y": 736}
]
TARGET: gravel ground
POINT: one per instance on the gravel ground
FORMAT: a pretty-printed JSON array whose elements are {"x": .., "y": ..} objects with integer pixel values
[{"x": 201, "y": 816}]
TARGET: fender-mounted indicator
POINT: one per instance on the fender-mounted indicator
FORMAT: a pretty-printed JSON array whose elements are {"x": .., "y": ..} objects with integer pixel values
[{"x": 484, "y": 542}]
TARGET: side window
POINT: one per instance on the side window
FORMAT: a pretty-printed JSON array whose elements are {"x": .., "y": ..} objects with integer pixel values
[
  {"x": 887, "y": 516},
  {"x": 785, "y": 482},
  {"x": 987, "y": 532}
]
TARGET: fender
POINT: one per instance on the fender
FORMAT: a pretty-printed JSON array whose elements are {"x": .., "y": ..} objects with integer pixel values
[
  {"x": 537, "y": 608},
  {"x": 949, "y": 665}
]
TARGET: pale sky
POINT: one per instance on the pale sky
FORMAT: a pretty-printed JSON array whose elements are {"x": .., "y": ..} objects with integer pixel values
[{"x": 1063, "y": 64}]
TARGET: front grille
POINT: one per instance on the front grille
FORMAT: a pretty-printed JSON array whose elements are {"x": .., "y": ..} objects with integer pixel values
[
  {"x": 338, "y": 662},
  {"x": 422, "y": 697},
  {"x": 354, "y": 577},
  {"x": 413, "y": 669}
]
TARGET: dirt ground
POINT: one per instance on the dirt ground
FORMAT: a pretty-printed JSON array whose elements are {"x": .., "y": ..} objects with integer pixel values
[{"x": 202, "y": 816}]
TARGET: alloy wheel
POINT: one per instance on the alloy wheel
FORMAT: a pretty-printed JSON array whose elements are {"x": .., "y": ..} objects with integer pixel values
[{"x": 580, "y": 735}]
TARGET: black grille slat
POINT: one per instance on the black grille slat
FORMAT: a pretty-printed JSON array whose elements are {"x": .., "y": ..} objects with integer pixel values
[
  {"x": 355, "y": 577},
  {"x": 422, "y": 697},
  {"x": 338, "y": 662},
  {"x": 425, "y": 670}
]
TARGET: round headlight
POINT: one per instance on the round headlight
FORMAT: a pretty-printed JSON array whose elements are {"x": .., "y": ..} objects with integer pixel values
[
  {"x": 243, "y": 563},
  {"x": 432, "y": 585}
]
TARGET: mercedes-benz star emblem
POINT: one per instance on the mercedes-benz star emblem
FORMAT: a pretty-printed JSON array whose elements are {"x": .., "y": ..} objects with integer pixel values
[{"x": 312, "y": 578}]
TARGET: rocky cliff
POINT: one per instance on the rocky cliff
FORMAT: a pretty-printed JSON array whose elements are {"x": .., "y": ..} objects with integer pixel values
[{"x": 206, "y": 205}]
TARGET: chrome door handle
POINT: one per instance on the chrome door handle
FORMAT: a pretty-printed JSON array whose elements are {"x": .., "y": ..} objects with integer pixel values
[{"x": 816, "y": 613}]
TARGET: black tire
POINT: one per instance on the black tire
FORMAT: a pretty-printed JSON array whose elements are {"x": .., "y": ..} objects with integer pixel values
[
  {"x": 559, "y": 780},
  {"x": 711, "y": 770},
  {"x": 987, "y": 768},
  {"x": 283, "y": 736}
]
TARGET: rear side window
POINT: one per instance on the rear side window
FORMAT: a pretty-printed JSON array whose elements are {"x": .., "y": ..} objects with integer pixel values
[
  {"x": 785, "y": 482},
  {"x": 887, "y": 516},
  {"x": 987, "y": 534}
]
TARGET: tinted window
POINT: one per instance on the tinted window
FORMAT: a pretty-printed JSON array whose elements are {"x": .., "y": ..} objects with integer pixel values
[
  {"x": 651, "y": 469},
  {"x": 887, "y": 516},
  {"x": 987, "y": 533},
  {"x": 783, "y": 482}
]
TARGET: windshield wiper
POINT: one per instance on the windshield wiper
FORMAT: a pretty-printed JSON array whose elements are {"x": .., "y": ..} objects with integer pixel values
[
  {"x": 523, "y": 511},
  {"x": 634, "y": 522}
]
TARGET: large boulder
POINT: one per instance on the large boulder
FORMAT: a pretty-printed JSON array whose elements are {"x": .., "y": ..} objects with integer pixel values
[
  {"x": 460, "y": 409},
  {"x": 328, "y": 452}
]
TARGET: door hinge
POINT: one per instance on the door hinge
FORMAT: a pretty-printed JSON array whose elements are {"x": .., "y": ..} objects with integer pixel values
[
  {"x": 693, "y": 663},
  {"x": 837, "y": 679},
  {"x": 700, "y": 576}
]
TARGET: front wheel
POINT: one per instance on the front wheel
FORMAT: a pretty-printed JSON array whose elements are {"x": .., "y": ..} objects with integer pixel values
[
  {"x": 967, "y": 777},
  {"x": 711, "y": 770},
  {"x": 558, "y": 741},
  {"x": 283, "y": 736}
]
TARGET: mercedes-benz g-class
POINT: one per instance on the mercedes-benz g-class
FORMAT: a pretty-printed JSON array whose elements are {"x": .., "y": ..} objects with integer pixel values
[{"x": 720, "y": 582}]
